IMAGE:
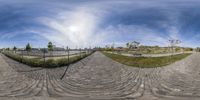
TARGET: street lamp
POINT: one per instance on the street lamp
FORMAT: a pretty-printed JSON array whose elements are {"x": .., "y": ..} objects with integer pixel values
[{"x": 174, "y": 43}]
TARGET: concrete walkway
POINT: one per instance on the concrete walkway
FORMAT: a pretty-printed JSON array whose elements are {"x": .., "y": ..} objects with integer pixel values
[{"x": 98, "y": 77}]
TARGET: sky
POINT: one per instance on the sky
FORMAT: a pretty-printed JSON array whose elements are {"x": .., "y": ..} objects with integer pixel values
[{"x": 89, "y": 23}]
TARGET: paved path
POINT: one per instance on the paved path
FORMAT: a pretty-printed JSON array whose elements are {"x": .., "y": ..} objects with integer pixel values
[{"x": 99, "y": 77}]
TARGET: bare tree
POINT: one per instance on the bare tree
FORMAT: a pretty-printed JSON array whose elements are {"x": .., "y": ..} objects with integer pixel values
[
  {"x": 134, "y": 45},
  {"x": 173, "y": 44}
]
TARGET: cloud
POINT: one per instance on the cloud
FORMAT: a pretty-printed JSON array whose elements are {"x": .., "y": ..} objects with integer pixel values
[
  {"x": 125, "y": 33},
  {"x": 82, "y": 27},
  {"x": 75, "y": 28},
  {"x": 98, "y": 23}
]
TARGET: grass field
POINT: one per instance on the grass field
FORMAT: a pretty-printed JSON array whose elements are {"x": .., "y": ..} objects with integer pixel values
[{"x": 146, "y": 62}]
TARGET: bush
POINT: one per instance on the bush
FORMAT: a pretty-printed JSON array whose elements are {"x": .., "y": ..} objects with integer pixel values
[{"x": 51, "y": 63}]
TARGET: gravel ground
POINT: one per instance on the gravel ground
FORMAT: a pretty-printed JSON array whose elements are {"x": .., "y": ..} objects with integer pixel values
[{"x": 99, "y": 77}]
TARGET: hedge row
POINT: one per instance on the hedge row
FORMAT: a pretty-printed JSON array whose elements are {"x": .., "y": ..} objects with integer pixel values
[{"x": 50, "y": 63}]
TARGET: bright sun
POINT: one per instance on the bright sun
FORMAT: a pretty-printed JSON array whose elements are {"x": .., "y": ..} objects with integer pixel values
[{"x": 73, "y": 28}]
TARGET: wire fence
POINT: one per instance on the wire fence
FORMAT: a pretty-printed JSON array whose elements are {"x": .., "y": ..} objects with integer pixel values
[
  {"x": 41, "y": 53},
  {"x": 45, "y": 58}
]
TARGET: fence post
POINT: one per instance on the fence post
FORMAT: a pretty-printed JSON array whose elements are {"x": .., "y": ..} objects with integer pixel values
[
  {"x": 85, "y": 52},
  {"x": 44, "y": 57},
  {"x": 52, "y": 53},
  {"x": 67, "y": 54},
  {"x": 22, "y": 55},
  {"x": 80, "y": 52}
]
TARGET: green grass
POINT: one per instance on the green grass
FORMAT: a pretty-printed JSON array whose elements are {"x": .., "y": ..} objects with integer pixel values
[
  {"x": 146, "y": 62},
  {"x": 50, "y": 63}
]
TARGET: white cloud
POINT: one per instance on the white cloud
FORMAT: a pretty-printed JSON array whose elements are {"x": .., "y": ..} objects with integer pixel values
[
  {"x": 78, "y": 27},
  {"x": 173, "y": 33},
  {"x": 74, "y": 28},
  {"x": 121, "y": 34}
]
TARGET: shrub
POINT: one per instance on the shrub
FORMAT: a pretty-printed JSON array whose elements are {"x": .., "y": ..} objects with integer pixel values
[{"x": 50, "y": 63}]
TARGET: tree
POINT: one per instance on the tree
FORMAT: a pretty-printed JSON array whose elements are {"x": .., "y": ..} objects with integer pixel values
[
  {"x": 15, "y": 48},
  {"x": 127, "y": 45},
  {"x": 28, "y": 48},
  {"x": 134, "y": 45},
  {"x": 7, "y": 49},
  {"x": 50, "y": 47}
]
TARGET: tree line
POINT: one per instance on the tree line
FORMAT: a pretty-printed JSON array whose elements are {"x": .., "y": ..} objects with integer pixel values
[{"x": 28, "y": 47}]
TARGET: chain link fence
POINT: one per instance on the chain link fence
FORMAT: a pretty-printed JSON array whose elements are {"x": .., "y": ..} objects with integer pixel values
[{"x": 46, "y": 58}]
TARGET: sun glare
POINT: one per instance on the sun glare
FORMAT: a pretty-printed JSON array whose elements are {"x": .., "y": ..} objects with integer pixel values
[{"x": 73, "y": 28}]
